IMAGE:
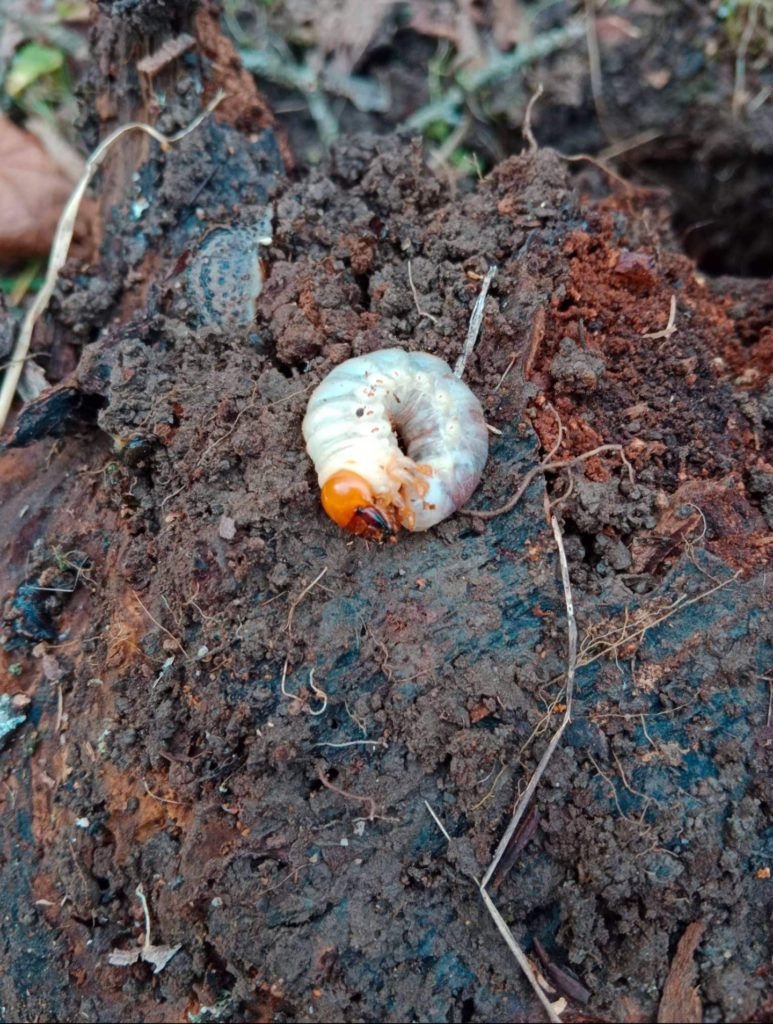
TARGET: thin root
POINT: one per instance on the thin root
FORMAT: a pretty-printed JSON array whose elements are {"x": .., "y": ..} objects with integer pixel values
[
  {"x": 318, "y": 692},
  {"x": 547, "y": 467}
]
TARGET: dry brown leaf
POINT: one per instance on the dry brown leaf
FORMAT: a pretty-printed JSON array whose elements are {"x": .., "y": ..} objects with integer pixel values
[
  {"x": 33, "y": 192},
  {"x": 158, "y": 956}
]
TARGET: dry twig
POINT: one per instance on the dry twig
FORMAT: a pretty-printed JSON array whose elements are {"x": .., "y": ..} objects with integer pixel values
[
  {"x": 670, "y": 327},
  {"x": 476, "y": 319}
]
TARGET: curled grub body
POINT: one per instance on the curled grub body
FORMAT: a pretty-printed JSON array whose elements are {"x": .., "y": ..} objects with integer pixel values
[{"x": 397, "y": 441}]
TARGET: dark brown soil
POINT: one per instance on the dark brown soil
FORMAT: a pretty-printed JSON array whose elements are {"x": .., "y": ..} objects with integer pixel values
[{"x": 166, "y": 560}]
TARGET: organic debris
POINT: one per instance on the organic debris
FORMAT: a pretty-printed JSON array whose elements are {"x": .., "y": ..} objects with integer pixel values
[{"x": 157, "y": 956}]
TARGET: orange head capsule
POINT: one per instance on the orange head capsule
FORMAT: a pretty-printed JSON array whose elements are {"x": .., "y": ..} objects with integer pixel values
[{"x": 348, "y": 500}]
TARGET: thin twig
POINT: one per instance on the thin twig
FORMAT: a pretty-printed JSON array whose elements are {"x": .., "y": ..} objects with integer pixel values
[
  {"x": 63, "y": 237},
  {"x": 476, "y": 319},
  {"x": 523, "y": 802},
  {"x": 536, "y": 337},
  {"x": 419, "y": 310},
  {"x": 505, "y": 932},
  {"x": 630, "y": 188}
]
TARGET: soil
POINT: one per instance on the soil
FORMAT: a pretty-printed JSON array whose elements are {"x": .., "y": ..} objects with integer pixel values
[{"x": 245, "y": 711}]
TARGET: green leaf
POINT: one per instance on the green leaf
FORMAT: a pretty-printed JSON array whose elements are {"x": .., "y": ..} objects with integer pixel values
[{"x": 31, "y": 62}]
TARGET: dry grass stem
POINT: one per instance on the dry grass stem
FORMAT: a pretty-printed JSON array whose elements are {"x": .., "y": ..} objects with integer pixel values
[
  {"x": 739, "y": 85},
  {"x": 437, "y": 821},
  {"x": 63, "y": 237},
  {"x": 523, "y": 803},
  {"x": 594, "y": 61},
  {"x": 519, "y": 955},
  {"x": 571, "y": 669}
]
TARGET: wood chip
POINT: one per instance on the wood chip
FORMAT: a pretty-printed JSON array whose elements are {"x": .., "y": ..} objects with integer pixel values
[
  {"x": 680, "y": 1001},
  {"x": 171, "y": 50}
]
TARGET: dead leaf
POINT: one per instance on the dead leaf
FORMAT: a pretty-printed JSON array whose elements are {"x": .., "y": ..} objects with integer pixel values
[
  {"x": 124, "y": 957},
  {"x": 32, "y": 193},
  {"x": 680, "y": 1000},
  {"x": 158, "y": 956}
]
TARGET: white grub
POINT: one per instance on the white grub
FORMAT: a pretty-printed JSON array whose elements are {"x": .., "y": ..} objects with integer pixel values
[{"x": 404, "y": 424}]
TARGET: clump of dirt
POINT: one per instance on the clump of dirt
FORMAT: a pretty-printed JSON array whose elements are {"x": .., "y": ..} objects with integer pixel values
[{"x": 256, "y": 706}]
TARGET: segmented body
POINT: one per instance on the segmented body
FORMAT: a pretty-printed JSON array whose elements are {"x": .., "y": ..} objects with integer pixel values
[{"x": 406, "y": 426}]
